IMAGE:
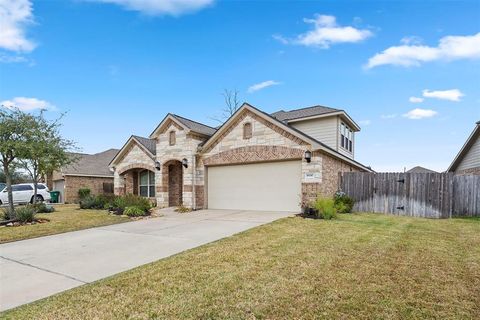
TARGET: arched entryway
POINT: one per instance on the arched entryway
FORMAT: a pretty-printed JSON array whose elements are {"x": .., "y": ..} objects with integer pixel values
[
  {"x": 137, "y": 180},
  {"x": 173, "y": 182}
]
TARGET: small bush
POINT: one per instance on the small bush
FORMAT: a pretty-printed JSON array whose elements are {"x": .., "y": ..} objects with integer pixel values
[
  {"x": 91, "y": 203},
  {"x": 325, "y": 208},
  {"x": 83, "y": 193},
  {"x": 43, "y": 208},
  {"x": 25, "y": 214},
  {"x": 343, "y": 203},
  {"x": 131, "y": 200},
  {"x": 134, "y": 211},
  {"x": 7, "y": 214},
  {"x": 182, "y": 209}
]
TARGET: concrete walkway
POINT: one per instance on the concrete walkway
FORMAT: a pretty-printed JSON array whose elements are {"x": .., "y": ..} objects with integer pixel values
[{"x": 37, "y": 268}]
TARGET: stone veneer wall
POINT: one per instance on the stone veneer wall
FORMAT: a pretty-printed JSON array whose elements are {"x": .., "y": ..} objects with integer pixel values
[
  {"x": 74, "y": 183},
  {"x": 135, "y": 157},
  {"x": 185, "y": 147}
]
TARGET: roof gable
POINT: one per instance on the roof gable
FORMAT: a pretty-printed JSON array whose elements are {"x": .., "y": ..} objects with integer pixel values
[
  {"x": 313, "y": 113},
  {"x": 132, "y": 141},
  {"x": 182, "y": 123},
  {"x": 465, "y": 148},
  {"x": 273, "y": 124}
]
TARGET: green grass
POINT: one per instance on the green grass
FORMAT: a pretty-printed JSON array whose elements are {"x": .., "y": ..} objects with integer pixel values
[
  {"x": 65, "y": 218},
  {"x": 361, "y": 266}
]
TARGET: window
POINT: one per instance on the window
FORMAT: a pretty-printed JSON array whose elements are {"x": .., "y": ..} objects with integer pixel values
[
  {"x": 247, "y": 130},
  {"x": 171, "y": 138},
  {"x": 346, "y": 137},
  {"x": 41, "y": 186},
  {"x": 147, "y": 184},
  {"x": 22, "y": 187}
]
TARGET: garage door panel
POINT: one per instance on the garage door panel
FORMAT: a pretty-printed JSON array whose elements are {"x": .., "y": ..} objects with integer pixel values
[{"x": 272, "y": 186}]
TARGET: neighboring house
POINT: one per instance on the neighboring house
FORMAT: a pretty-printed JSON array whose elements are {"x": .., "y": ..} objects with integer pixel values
[
  {"x": 419, "y": 169},
  {"x": 467, "y": 160},
  {"x": 254, "y": 161},
  {"x": 89, "y": 171}
]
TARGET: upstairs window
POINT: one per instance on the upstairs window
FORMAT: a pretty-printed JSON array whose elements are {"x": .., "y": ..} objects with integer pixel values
[
  {"x": 247, "y": 130},
  {"x": 172, "y": 138},
  {"x": 346, "y": 137}
]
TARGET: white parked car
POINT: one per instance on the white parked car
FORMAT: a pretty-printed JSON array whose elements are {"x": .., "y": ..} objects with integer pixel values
[{"x": 23, "y": 193}]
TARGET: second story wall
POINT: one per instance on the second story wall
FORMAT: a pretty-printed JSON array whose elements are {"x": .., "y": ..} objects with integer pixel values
[
  {"x": 322, "y": 129},
  {"x": 472, "y": 158},
  {"x": 328, "y": 131}
]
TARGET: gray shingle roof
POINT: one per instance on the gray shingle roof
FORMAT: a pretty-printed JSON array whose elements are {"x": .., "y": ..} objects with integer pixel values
[
  {"x": 196, "y": 126},
  {"x": 91, "y": 164},
  {"x": 302, "y": 113},
  {"x": 150, "y": 144},
  {"x": 419, "y": 169}
]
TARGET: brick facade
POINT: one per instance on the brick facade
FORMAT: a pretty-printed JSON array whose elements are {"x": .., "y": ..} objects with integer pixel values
[
  {"x": 331, "y": 167},
  {"x": 74, "y": 183}
]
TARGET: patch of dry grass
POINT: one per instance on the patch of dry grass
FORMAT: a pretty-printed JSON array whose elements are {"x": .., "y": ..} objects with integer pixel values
[
  {"x": 362, "y": 266},
  {"x": 65, "y": 218}
]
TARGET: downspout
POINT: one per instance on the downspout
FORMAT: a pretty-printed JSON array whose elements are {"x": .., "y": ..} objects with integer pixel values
[{"x": 194, "y": 165}]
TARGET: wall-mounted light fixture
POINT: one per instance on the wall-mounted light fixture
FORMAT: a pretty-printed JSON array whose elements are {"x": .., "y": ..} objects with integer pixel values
[
  {"x": 158, "y": 165},
  {"x": 185, "y": 162},
  {"x": 308, "y": 156},
  {"x": 112, "y": 169}
]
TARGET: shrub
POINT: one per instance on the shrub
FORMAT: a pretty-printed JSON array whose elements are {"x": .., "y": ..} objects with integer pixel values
[
  {"x": 134, "y": 211},
  {"x": 325, "y": 208},
  {"x": 182, "y": 209},
  {"x": 91, "y": 203},
  {"x": 7, "y": 214},
  {"x": 83, "y": 193},
  {"x": 130, "y": 200},
  {"x": 25, "y": 214},
  {"x": 343, "y": 203},
  {"x": 43, "y": 208}
]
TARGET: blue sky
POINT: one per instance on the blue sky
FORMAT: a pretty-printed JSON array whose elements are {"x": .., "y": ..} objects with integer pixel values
[{"x": 407, "y": 71}]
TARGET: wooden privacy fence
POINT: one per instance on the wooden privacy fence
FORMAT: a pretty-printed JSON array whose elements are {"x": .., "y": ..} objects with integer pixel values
[{"x": 429, "y": 195}]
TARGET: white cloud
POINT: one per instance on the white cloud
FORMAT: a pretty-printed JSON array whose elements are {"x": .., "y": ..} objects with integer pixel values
[
  {"x": 388, "y": 116},
  {"x": 15, "y": 16},
  {"x": 418, "y": 113},
  {"x": 161, "y": 7},
  {"x": 262, "y": 85},
  {"x": 365, "y": 122},
  {"x": 27, "y": 104},
  {"x": 415, "y": 99},
  {"x": 413, "y": 54},
  {"x": 451, "y": 95},
  {"x": 326, "y": 32}
]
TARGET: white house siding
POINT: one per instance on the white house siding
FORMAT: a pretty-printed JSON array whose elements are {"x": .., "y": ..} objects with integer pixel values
[{"x": 472, "y": 158}]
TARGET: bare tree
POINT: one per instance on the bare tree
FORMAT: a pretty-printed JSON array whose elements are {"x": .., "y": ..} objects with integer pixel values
[{"x": 232, "y": 103}]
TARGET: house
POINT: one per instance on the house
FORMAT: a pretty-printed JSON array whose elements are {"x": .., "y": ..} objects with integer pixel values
[
  {"x": 419, "y": 169},
  {"x": 254, "y": 161},
  {"x": 467, "y": 160},
  {"x": 88, "y": 171}
]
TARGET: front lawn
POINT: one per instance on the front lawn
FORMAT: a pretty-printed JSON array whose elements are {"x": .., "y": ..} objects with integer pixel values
[
  {"x": 65, "y": 218},
  {"x": 361, "y": 266}
]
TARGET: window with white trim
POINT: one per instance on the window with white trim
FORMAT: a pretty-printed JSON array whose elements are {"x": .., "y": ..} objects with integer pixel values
[
  {"x": 346, "y": 137},
  {"x": 146, "y": 184}
]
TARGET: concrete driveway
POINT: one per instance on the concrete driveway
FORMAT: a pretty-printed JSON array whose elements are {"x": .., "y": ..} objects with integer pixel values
[{"x": 37, "y": 268}]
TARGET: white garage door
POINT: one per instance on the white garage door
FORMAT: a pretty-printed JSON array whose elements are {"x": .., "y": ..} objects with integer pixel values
[{"x": 271, "y": 186}]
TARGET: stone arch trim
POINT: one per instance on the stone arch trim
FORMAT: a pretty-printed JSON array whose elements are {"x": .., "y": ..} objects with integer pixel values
[
  {"x": 254, "y": 154},
  {"x": 137, "y": 166}
]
